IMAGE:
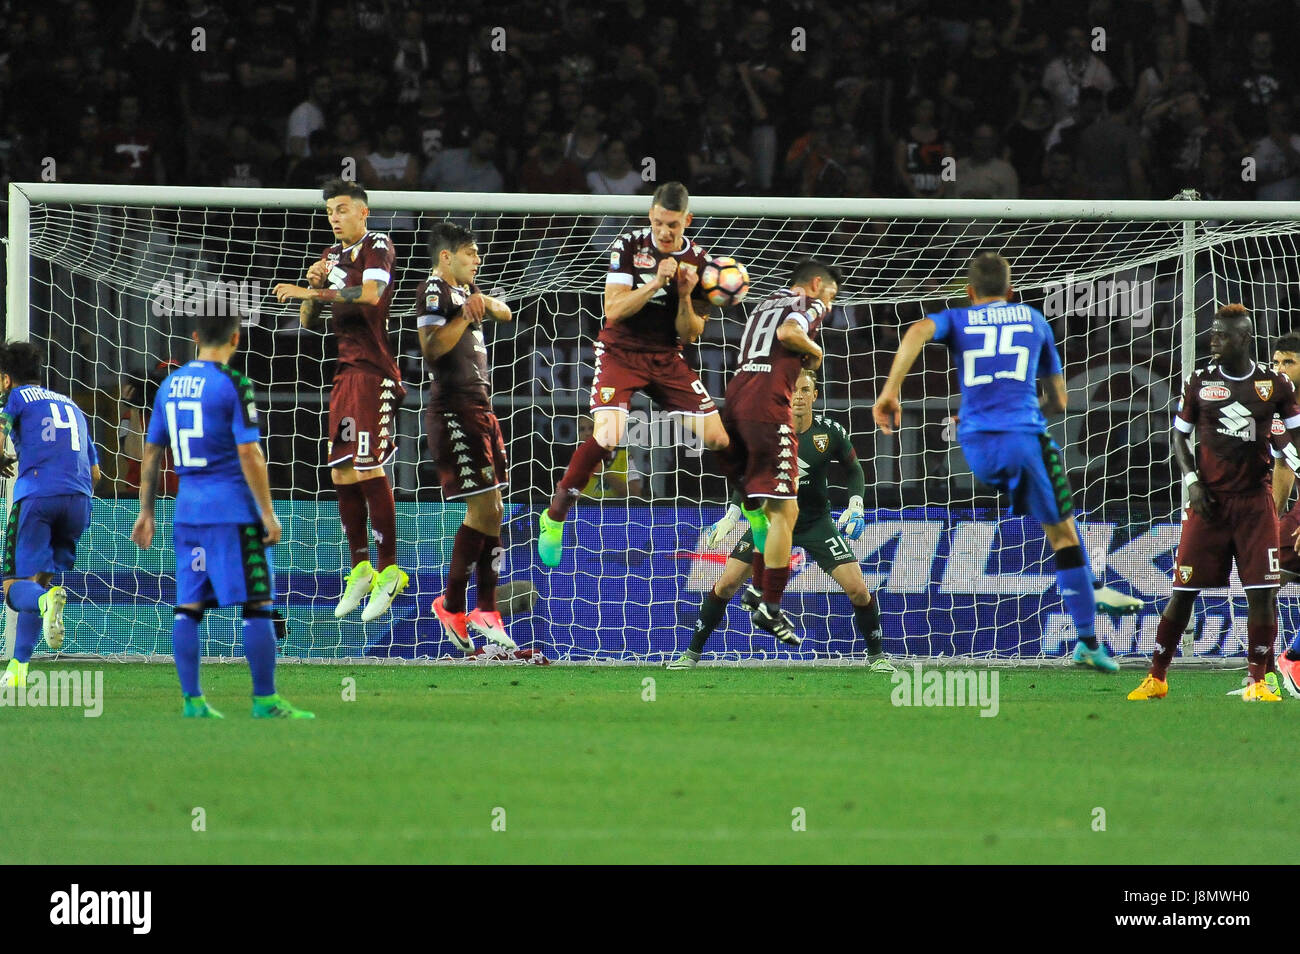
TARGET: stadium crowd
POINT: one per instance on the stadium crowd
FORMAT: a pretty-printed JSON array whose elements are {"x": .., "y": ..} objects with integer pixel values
[{"x": 1031, "y": 98}]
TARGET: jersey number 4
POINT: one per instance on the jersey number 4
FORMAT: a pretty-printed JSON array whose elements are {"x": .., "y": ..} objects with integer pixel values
[
  {"x": 998, "y": 343},
  {"x": 57, "y": 422},
  {"x": 181, "y": 436}
]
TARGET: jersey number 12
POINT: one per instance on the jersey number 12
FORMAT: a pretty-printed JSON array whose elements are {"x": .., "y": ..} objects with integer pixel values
[{"x": 181, "y": 436}]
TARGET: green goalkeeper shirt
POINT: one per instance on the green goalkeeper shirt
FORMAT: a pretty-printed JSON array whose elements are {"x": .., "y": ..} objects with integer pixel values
[{"x": 823, "y": 442}]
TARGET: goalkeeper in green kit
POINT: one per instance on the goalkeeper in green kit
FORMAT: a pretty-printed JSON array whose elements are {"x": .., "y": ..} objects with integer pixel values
[{"x": 823, "y": 539}]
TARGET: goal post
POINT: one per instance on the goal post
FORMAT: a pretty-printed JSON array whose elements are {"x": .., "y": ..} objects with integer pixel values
[{"x": 103, "y": 275}]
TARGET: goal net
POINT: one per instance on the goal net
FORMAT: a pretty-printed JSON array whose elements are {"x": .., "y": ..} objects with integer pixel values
[{"x": 107, "y": 279}]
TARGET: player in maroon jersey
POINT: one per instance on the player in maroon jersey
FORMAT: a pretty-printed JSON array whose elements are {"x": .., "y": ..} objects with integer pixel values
[
  {"x": 649, "y": 314},
  {"x": 1229, "y": 405},
  {"x": 464, "y": 435},
  {"x": 763, "y": 463},
  {"x": 355, "y": 278}
]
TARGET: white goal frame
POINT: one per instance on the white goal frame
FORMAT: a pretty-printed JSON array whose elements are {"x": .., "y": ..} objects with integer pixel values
[{"x": 1185, "y": 209}]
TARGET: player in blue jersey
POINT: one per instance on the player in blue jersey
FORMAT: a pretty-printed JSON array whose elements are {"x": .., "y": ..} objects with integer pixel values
[
  {"x": 58, "y": 468},
  {"x": 224, "y": 524},
  {"x": 1003, "y": 351}
]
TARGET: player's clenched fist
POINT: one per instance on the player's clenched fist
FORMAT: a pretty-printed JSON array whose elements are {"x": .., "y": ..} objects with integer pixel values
[
  {"x": 317, "y": 274},
  {"x": 667, "y": 268},
  {"x": 1201, "y": 500},
  {"x": 687, "y": 278},
  {"x": 475, "y": 307}
]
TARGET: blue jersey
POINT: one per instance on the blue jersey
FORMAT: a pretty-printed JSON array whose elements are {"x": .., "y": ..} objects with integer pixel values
[
  {"x": 52, "y": 438},
  {"x": 1001, "y": 350},
  {"x": 205, "y": 410}
]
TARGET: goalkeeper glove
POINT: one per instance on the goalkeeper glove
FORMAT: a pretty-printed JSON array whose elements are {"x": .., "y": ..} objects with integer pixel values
[
  {"x": 852, "y": 521},
  {"x": 719, "y": 530}
]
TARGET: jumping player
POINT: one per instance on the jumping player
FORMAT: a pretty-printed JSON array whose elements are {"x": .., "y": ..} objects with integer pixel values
[
  {"x": 1229, "y": 405},
  {"x": 821, "y": 441},
  {"x": 355, "y": 278},
  {"x": 1003, "y": 350},
  {"x": 58, "y": 467},
  {"x": 464, "y": 435},
  {"x": 649, "y": 314},
  {"x": 763, "y": 462}
]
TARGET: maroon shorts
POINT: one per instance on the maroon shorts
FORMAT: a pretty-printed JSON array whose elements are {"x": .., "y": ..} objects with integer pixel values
[
  {"x": 1286, "y": 528},
  {"x": 663, "y": 375},
  {"x": 468, "y": 450},
  {"x": 763, "y": 460},
  {"x": 363, "y": 419},
  {"x": 1243, "y": 527}
]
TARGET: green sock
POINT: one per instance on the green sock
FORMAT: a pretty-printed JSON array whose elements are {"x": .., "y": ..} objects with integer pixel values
[{"x": 758, "y": 524}]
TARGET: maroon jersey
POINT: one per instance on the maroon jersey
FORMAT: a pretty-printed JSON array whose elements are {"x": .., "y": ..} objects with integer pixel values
[
  {"x": 459, "y": 378},
  {"x": 634, "y": 262},
  {"x": 362, "y": 330},
  {"x": 763, "y": 384},
  {"x": 1233, "y": 422}
]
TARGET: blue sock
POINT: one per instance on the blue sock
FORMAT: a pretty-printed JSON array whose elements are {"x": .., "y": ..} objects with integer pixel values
[
  {"x": 185, "y": 647},
  {"x": 29, "y": 633},
  {"x": 25, "y": 596},
  {"x": 1074, "y": 580},
  {"x": 1295, "y": 645},
  {"x": 259, "y": 650}
]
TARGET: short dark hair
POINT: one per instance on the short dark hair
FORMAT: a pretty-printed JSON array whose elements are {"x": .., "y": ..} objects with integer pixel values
[
  {"x": 449, "y": 236},
  {"x": 21, "y": 360},
  {"x": 220, "y": 318},
  {"x": 1289, "y": 342},
  {"x": 811, "y": 268},
  {"x": 672, "y": 196},
  {"x": 337, "y": 187},
  {"x": 989, "y": 274}
]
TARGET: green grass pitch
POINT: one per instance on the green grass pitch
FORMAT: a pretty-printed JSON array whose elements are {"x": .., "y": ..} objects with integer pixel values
[{"x": 580, "y": 768}]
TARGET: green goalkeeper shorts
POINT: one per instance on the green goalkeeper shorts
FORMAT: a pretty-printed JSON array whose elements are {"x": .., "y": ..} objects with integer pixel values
[{"x": 820, "y": 540}]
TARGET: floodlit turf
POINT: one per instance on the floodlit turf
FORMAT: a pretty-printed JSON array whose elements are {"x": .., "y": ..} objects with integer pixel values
[{"x": 581, "y": 769}]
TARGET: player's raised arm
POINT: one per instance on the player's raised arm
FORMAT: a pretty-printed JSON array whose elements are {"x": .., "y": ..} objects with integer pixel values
[
  {"x": 690, "y": 323},
  {"x": 495, "y": 308},
  {"x": 623, "y": 301},
  {"x": 887, "y": 411}
]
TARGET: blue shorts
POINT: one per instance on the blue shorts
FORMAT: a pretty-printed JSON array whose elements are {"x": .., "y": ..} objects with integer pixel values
[
  {"x": 222, "y": 564},
  {"x": 42, "y": 534},
  {"x": 1027, "y": 467}
]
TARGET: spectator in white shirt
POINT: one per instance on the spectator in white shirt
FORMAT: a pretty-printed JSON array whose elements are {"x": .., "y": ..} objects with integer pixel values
[
  {"x": 1074, "y": 69},
  {"x": 308, "y": 116}
]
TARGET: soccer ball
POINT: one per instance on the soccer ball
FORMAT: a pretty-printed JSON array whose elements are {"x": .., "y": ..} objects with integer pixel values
[{"x": 724, "y": 282}]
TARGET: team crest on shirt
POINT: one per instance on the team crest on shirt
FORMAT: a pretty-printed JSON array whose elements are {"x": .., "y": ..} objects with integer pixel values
[
  {"x": 606, "y": 394},
  {"x": 458, "y": 295},
  {"x": 1215, "y": 392},
  {"x": 643, "y": 260},
  {"x": 1264, "y": 389},
  {"x": 821, "y": 442},
  {"x": 1184, "y": 574}
]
